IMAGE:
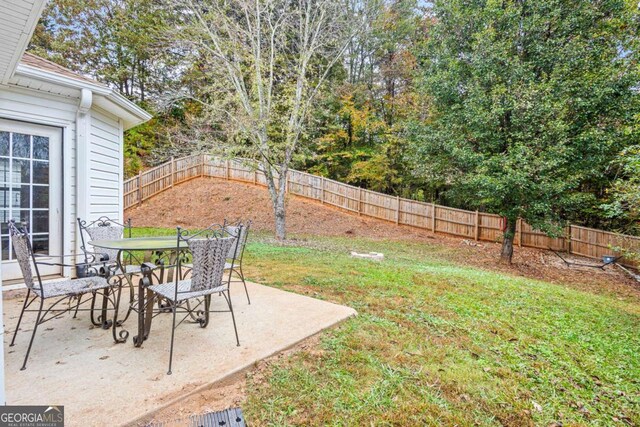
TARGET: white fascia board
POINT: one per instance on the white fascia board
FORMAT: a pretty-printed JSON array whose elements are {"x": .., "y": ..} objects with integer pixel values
[
  {"x": 140, "y": 115},
  {"x": 134, "y": 114},
  {"x": 58, "y": 79}
]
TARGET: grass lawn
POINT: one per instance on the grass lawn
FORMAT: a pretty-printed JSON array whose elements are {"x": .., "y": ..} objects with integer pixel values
[{"x": 437, "y": 343}]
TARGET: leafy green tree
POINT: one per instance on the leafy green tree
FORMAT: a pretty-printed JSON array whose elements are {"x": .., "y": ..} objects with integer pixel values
[
  {"x": 530, "y": 100},
  {"x": 118, "y": 42},
  {"x": 357, "y": 132},
  {"x": 625, "y": 191}
]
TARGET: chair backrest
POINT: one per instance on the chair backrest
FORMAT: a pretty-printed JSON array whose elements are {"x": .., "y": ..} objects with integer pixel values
[
  {"x": 209, "y": 257},
  {"x": 23, "y": 253},
  {"x": 103, "y": 228},
  {"x": 241, "y": 231}
]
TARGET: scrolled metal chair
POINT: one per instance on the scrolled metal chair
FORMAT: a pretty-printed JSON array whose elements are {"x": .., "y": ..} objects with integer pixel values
[
  {"x": 209, "y": 249},
  {"x": 236, "y": 252},
  {"x": 60, "y": 290},
  {"x": 105, "y": 228}
]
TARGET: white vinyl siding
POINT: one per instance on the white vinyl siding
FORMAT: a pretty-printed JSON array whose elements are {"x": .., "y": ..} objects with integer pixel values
[
  {"x": 25, "y": 100},
  {"x": 104, "y": 168}
]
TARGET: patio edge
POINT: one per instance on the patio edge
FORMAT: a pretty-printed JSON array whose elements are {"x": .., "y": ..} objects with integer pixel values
[{"x": 238, "y": 370}]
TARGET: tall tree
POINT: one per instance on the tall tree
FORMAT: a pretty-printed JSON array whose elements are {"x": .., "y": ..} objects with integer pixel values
[
  {"x": 265, "y": 62},
  {"x": 119, "y": 43},
  {"x": 357, "y": 134},
  {"x": 530, "y": 99},
  {"x": 115, "y": 41}
]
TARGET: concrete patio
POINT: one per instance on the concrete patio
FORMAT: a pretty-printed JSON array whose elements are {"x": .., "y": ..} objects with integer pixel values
[{"x": 104, "y": 384}]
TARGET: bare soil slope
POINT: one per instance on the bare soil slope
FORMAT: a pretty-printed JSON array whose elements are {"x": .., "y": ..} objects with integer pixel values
[{"x": 204, "y": 201}]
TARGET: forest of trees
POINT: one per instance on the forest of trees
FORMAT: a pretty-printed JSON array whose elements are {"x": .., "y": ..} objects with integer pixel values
[{"x": 521, "y": 108}]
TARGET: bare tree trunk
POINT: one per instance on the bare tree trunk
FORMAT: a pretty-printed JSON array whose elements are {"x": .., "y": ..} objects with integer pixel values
[
  {"x": 507, "y": 242},
  {"x": 277, "y": 191},
  {"x": 280, "y": 217}
]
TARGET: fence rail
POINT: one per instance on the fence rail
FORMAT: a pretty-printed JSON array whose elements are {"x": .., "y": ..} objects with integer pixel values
[{"x": 472, "y": 225}]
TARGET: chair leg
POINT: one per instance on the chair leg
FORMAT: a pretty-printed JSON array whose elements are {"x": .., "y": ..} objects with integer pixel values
[
  {"x": 75, "y": 314},
  {"x": 227, "y": 296},
  {"x": 173, "y": 332},
  {"x": 33, "y": 335},
  {"x": 192, "y": 312},
  {"x": 241, "y": 274},
  {"x": 94, "y": 322},
  {"x": 104, "y": 322},
  {"x": 24, "y": 306}
]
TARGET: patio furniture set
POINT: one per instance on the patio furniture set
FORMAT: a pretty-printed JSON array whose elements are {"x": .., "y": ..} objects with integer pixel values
[{"x": 177, "y": 275}]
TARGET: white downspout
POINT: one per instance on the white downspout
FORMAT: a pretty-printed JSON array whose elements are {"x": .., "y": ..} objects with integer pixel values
[{"x": 83, "y": 161}]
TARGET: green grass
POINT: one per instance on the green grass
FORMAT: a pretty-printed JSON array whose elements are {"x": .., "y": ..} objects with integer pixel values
[{"x": 437, "y": 343}]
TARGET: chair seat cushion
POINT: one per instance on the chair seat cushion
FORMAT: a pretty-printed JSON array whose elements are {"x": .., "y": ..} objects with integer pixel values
[
  {"x": 168, "y": 290},
  {"x": 72, "y": 287}
]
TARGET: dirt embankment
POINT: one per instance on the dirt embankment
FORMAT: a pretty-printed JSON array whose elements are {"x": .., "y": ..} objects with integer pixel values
[{"x": 205, "y": 201}]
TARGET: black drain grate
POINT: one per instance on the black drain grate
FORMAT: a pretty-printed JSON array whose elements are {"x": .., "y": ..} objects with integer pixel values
[{"x": 231, "y": 417}]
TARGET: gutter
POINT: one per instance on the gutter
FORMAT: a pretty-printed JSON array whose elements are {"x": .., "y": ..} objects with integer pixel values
[{"x": 96, "y": 88}]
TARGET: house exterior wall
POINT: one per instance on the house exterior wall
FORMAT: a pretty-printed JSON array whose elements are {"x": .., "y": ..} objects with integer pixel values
[
  {"x": 32, "y": 106},
  {"x": 105, "y": 166},
  {"x": 92, "y": 153}
]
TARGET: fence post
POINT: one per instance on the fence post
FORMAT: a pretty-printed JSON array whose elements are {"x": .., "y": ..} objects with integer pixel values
[
  {"x": 139, "y": 187},
  {"x": 476, "y": 232},
  {"x": 359, "y": 201},
  {"x": 227, "y": 167},
  {"x": 255, "y": 176},
  {"x": 322, "y": 190},
  {"x": 519, "y": 225},
  {"x": 202, "y": 161},
  {"x": 397, "y": 210},
  {"x": 433, "y": 217},
  {"x": 569, "y": 240}
]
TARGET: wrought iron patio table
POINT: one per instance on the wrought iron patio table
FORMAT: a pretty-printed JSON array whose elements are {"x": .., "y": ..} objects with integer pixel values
[{"x": 166, "y": 247}]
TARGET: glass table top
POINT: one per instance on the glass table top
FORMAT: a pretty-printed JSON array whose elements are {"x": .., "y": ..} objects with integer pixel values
[{"x": 140, "y": 243}]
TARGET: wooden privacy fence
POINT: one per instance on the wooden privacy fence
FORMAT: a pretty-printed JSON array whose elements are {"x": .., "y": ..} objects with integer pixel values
[{"x": 472, "y": 225}]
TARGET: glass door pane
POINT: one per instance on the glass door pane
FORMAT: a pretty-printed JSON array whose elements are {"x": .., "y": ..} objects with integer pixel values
[{"x": 24, "y": 190}]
